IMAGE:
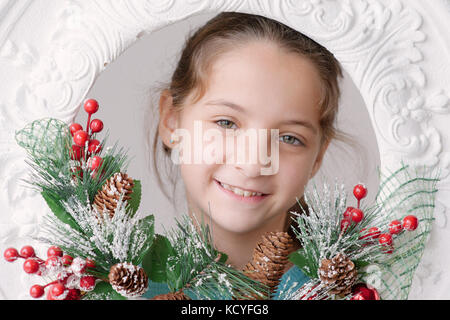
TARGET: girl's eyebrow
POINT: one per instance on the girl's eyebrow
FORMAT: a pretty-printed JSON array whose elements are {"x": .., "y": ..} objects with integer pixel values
[
  {"x": 238, "y": 108},
  {"x": 306, "y": 124},
  {"x": 227, "y": 104}
]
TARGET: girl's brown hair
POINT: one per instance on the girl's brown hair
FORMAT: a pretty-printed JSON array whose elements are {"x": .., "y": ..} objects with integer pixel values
[{"x": 225, "y": 32}]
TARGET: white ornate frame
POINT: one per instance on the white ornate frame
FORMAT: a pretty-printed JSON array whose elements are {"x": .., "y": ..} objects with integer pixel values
[{"x": 396, "y": 52}]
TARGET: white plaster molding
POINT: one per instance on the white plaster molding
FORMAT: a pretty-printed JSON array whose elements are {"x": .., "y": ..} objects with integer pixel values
[{"x": 396, "y": 52}]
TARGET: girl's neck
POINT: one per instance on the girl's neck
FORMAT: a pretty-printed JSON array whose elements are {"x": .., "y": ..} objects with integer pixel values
[{"x": 239, "y": 246}]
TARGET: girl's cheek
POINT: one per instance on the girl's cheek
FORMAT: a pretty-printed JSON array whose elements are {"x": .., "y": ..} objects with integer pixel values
[
  {"x": 214, "y": 147},
  {"x": 294, "y": 168}
]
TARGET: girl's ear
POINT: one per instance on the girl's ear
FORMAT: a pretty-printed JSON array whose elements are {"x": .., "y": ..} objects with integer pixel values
[
  {"x": 319, "y": 158},
  {"x": 168, "y": 118}
]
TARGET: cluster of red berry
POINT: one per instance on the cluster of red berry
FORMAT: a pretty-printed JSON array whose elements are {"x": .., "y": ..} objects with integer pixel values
[
  {"x": 85, "y": 147},
  {"x": 71, "y": 277},
  {"x": 351, "y": 214},
  {"x": 395, "y": 227}
]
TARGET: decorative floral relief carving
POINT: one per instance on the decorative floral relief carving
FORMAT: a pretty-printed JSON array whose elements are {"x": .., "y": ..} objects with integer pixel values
[{"x": 378, "y": 42}]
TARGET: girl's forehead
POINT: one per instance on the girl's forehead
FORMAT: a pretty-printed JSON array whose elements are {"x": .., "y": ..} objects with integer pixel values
[{"x": 262, "y": 76}]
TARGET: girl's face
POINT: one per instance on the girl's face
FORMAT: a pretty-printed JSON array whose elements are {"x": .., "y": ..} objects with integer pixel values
[{"x": 257, "y": 86}]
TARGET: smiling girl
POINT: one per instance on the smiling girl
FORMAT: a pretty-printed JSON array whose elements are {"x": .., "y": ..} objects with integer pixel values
[{"x": 243, "y": 72}]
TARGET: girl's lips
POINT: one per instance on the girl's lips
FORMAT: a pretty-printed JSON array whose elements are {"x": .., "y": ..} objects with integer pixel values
[{"x": 252, "y": 199}]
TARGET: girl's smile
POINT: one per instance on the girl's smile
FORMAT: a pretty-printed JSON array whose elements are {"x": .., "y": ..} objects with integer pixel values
[{"x": 240, "y": 194}]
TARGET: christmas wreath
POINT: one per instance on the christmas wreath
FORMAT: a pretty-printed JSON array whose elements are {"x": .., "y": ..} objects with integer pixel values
[{"x": 101, "y": 248}]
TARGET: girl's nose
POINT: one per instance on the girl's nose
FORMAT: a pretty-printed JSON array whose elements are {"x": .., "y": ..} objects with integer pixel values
[
  {"x": 248, "y": 158},
  {"x": 249, "y": 170}
]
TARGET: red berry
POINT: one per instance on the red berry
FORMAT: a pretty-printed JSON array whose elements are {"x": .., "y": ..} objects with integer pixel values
[
  {"x": 94, "y": 146},
  {"x": 73, "y": 294},
  {"x": 66, "y": 259},
  {"x": 31, "y": 265},
  {"x": 410, "y": 223},
  {"x": 385, "y": 239},
  {"x": 395, "y": 227},
  {"x": 78, "y": 266},
  {"x": 80, "y": 137},
  {"x": 27, "y": 252},
  {"x": 362, "y": 292},
  {"x": 96, "y": 162},
  {"x": 358, "y": 296},
  {"x": 374, "y": 232},
  {"x": 62, "y": 277},
  {"x": 54, "y": 251},
  {"x": 53, "y": 262},
  {"x": 359, "y": 191},
  {"x": 90, "y": 263},
  {"x": 91, "y": 106},
  {"x": 357, "y": 215},
  {"x": 87, "y": 283},
  {"x": 57, "y": 289},
  {"x": 37, "y": 291},
  {"x": 74, "y": 127},
  {"x": 11, "y": 254},
  {"x": 76, "y": 153},
  {"x": 347, "y": 213},
  {"x": 96, "y": 125}
]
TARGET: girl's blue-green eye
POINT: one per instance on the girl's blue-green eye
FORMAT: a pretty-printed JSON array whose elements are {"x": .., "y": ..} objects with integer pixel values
[
  {"x": 225, "y": 123},
  {"x": 291, "y": 140}
]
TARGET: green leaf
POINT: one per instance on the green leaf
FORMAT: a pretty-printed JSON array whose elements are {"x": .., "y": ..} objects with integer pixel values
[
  {"x": 155, "y": 261},
  {"x": 134, "y": 202},
  {"x": 360, "y": 263},
  {"x": 103, "y": 291},
  {"x": 302, "y": 262},
  {"x": 59, "y": 211},
  {"x": 223, "y": 257},
  {"x": 174, "y": 274}
]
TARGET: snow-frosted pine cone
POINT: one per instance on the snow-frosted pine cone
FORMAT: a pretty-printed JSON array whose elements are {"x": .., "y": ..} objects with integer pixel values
[
  {"x": 109, "y": 195},
  {"x": 270, "y": 258},
  {"x": 128, "y": 280},
  {"x": 339, "y": 273}
]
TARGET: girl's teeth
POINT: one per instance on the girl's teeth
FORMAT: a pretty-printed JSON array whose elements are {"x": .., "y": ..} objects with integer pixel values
[{"x": 240, "y": 192}]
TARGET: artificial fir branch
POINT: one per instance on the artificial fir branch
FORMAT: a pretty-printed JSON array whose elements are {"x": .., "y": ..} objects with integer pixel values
[
  {"x": 48, "y": 143},
  {"x": 404, "y": 192},
  {"x": 106, "y": 240},
  {"x": 195, "y": 266}
]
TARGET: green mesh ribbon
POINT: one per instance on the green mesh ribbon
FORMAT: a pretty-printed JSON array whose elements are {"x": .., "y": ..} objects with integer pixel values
[
  {"x": 45, "y": 138},
  {"x": 406, "y": 191}
]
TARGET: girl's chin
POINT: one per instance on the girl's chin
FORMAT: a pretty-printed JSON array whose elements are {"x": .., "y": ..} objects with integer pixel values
[{"x": 238, "y": 223}]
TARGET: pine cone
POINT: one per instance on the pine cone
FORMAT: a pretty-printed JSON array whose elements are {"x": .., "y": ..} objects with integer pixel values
[
  {"x": 339, "y": 273},
  {"x": 108, "y": 196},
  {"x": 179, "y": 295},
  {"x": 128, "y": 280},
  {"x": 270, "y": 258}
]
